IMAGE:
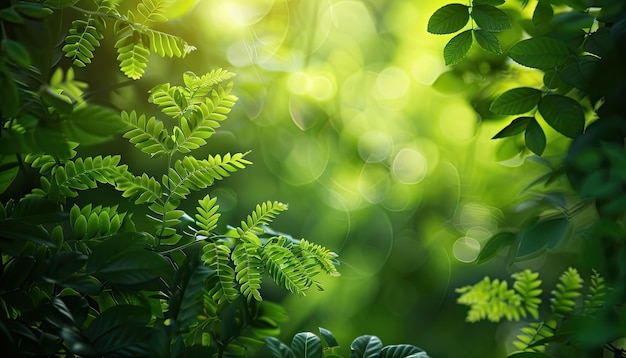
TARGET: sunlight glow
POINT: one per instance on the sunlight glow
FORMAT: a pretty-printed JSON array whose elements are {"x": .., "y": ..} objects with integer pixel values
[{"x": 410, "y": 166}]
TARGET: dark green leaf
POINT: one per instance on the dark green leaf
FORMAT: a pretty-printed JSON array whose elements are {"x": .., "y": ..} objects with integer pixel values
[
  {"x": 517, "y": 126},
  {"x": 328, "y": 337},
  {"x": 529, "y": 355},
  {"x": 400, "y": 351},
  {"x": 496, "y": 243},
  {"x": 16, "y": 52},
  {"x": 490, "y": 18},
  {"x": 9, "y": 168},
  {"x": 278, "y": 348},
  {"x": 60, "y": 3},
  {"x": 540, "y": 52},
  {"x": 544, "y": 234},
  {"x": 580, "y": 74},
  {"x": 516, "y": 101},
  {"x": 306, "y": 345},
  {"x": 535, "y": 138},
  {"x": 448, "y": 19},
  {"x": 38, "y": 210},
  {"x": 457, "y": 47},
  {"x": 191, "y": 303},
  {"x": 366, "y": 347},
  {"x": 15, "y": 272},
  {"x": 488, "y": 41},
  {"x": 132, "y": 268},
  {"x": 19, "y": 230},
  {"x": 10, "y": 104},
  {"x": 61, "y": 103},
  {"x": 33, "y": 10},
  {"x": 562, "y": 113},
  {"x": 62, "y": 265},
  {"x": 599, "y": 42},
  {"x": 118, "y": 327},
  {"x": 488, "y": 2},
  {"x": 9, "y": 14},
  {"x": 92, "y": 124},
  {"x": 543, "y": 13},
  {"x": 83, "y": 284}
]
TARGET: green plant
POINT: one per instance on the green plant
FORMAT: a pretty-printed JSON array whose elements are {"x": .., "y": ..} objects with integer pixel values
[
  {"x": 82, "y": 279},
  {"x": 559, "y": 330},
  {"x": 309, "y": 345}
]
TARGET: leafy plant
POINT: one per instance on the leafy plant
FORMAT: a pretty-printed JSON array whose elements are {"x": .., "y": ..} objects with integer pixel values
[
  {"x": 492, "y": 300},
  {"x": 309, "y": 345},
  {"x": 83, "y": 279}
]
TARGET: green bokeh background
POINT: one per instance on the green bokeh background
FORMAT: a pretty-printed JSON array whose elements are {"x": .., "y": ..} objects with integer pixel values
[{"x": 383, "y": 154}]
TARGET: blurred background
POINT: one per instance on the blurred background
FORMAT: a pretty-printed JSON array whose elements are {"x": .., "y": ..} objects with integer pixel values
[{"x": 382, "y": 153}]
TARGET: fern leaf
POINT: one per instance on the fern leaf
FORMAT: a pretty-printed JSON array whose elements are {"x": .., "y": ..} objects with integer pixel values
[
  {"x": 207, "y": 81},
  {"x": 144, "y": 189},
  {"x": 44, "y": 162},
  {"x": 83, "y": 38},
  {"x": 153, "y": 10},
  {"x": 164, "y": 44},
  {"x": 320, "y": 256},
  {"x": 171, "y": 99},
  {"x": 285, "y": 268},
  {"x": 67, "y": 86},
  {"x": 167, "y": 217},
  {"x": 207, "y": 215},
  {"x": 132, "y": 55},
  {"x": 85, "y": 173},
  {"x": 192, "y": 174},
  {"x": 527, "y": 284},
  {"x": 94, "y": 222},
  {"x": 489, "y": 299},
  {"x": 597, "y": 293},
  {"x": 567, "y": 291},
  {"x": 535, "y": 332},
  {"x": 248, "y": 269},
  {"x": 217, "y": 257},
  {"x": 148, "y": 135},
  {"x": 262, "y": 215}
]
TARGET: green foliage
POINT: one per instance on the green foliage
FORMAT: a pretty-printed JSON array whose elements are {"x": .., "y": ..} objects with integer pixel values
[
  {"x": 493, "y": 300},
  {"x": 309, "y": 345}
]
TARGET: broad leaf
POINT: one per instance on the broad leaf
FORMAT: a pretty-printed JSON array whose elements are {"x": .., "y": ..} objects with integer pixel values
[
  {"x": 516, "y": 101},
  {"x": 16, "y": 52},
  {"x": 562, "y": 113},
  {"x": 306, "y": 345},
  {"x": 490, "y": 18},
  {"x": 517, "y": 126},
  {"x": 278, "y": 348},
  {"x": 529, "y": 355},
  {"x": 92, "y": 125},
  {"x": 366, "y": 347},
  {"x": 328, "y": 337},
  {"x": 540, "y": 52},
  {"x": 496, "y": 243},
  {"x": 448, "y": 19},
  {"x": 487, "y": 41},
  {"x": 544, "y": 234},
  {"x": 543, "y": 13},
  {"x": 488, "y": 2},
  {"x": 581, "y": 73},
  {"x": 401, "y": 351},
  {"x": 457, "y": 48},
  {"x": 535, "y": 138}
]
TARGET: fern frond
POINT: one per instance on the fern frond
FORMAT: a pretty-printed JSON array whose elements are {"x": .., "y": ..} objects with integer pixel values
[
  {"x": 535, "y": 332},
  {"x": 85, "y": 173},
  {"x": 132, "y": 55},
  {"x": 320, "y": 255},
  {"x": 67, "y": 86},
  {"x": 263, "y": 214},
  {"x": 490, "y": 299},
  {"x": 164, "y": 44},
  {"x": 217, "y": 257},
  {"x": 171, "y": 100},
  {"x": 44, "y": 162},
  {"x": 527, "y": 284},
  {"x": 207, "y": 215},
  {"x": 153, "y": 10},
  {"x": 285, "y": 268},
  {"x": 148, "y": 135},
  {"x": 167, "y": 217},
  {"x": 567, "y": 291},
  {"x": 597, "y": 293},
  {"x": 144, "y": 188},
  {"x": 248, "y": 269},
  {"x": 84, "y": 37},
  {"x": 192, "y": 174},
  {"x": 93, "y": 222},
  {"x": 207, "y": 81}
]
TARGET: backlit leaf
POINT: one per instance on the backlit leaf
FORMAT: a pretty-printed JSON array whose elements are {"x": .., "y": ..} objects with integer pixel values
[
  {"x": 516, "y": 101},
  {"x": 517, "y": 126},
  {"x": 534, "y": 137},
  {"x": 562, "y": 113},
  {"x": 490, "y": 18},
  {"x": 448, "y": 19},
  {"x": 457, "y": 47},
  {"x": 540, "y": 52},
  {"x": 496, "y": 243},
  {"x": 488, "y": 41}
]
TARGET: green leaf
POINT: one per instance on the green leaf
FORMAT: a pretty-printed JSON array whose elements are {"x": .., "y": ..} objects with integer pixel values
[
  {"x": 402, "y": 351},
  {"x": 306, "y": 345},
  {"x": 544, "y": 234},
  {"x": 516, "y": 101},
  {"x": 562, "y": 113},
  {"x": 328, "y": 337},
  {"x": 540, "y": 52},
  {"x": 529, "y": 355},
  {"x": 488, "y": 41},
  {"x": 496, "y": 243},
  {"x": 448, "y": 19},
  {"x": 456, "y": 49},
  {"x": 488, "y": 2},
  {"x": 278, "y": 348},
  {"x": 118, "y": 327},
  {"x": 33, "y": 10},
  {"x": 543, "y": 13},
  {"x": 191, "y": 304},
  {"x": 10, "y": 104},
  {"x": 490, "y": 18},
  {"x": 92, "y": 125},
  {"x": 517, "y": 126},
  {"x": 535, "y": 138},
  {"x": 580, "y": 74},
  {"x": 16, "y": 52},
  {"x": 366, "y": 347}
]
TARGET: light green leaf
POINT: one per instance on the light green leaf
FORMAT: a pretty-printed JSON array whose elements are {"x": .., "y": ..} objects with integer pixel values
[
  {"x": 490, "y": 18},
  {"x": 534, "y": 137},
  {"x": 457, "y": 48},
  {"x": 448, "y": 19},
  {"x": 540, "y": 52},
  {"x": 487, "y": 41},
  {"x": 516, "y": 101},
  {"x": 562, "y": 113}
]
